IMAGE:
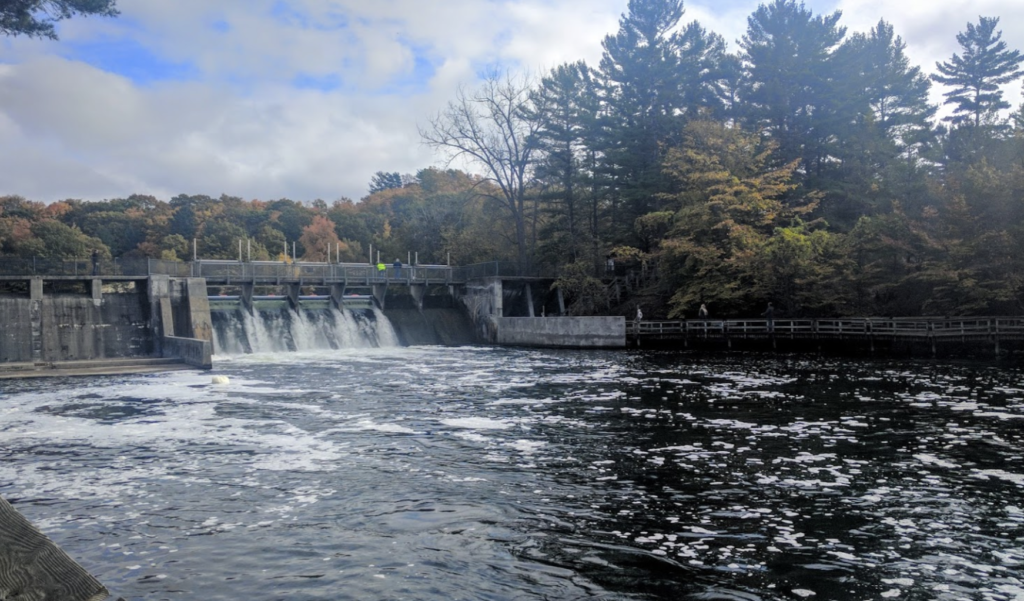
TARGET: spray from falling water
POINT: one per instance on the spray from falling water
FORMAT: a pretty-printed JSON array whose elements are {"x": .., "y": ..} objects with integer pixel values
[{"x": 239, "y": 332}]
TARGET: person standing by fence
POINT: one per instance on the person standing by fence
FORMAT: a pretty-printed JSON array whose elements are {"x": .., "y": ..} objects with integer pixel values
[
  {"x": 95, "y": 262},
  {"x": 769, "y": 314}
]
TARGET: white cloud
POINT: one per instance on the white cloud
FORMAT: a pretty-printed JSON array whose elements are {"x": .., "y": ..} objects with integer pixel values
[
  {"x": 929, "y": 28},
  {"x": 239, "y": 126}
]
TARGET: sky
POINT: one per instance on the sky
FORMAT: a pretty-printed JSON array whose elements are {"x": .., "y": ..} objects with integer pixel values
[{"x": 307, "y": 99}]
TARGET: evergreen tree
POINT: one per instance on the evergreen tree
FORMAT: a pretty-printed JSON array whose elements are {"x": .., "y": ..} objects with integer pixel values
[
  {"x": 564, "y": 104},
  {"x": 641, "y": 87},
  {"x": 895, "y": 93},
  {"x": 977, "y": 76},
  {"x": 879, "y": 148},
  {"x": 706, "y": 72},
  {"x": 790, "y": 88},
  {"x": 385, "y": 181}
]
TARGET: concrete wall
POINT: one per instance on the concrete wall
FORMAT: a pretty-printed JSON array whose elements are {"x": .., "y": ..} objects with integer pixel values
[
  {"x": 116, "y": 327},
  {"x": 483, "y": 300},
  {"x": 199, "y": 309},
  {"x": 72, "y": 327},
  {"x": 16, "y": 339},
  {"x": 565, "y": 332},
  {"x": 197, "y": 353},
  {"x": 432, "y": 326},
  {"x": 44, "y": 323}
]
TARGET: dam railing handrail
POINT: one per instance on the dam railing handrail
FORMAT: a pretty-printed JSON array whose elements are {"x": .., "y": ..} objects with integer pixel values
[
  {"x": 264, "y": 271},
  {"x": 893, "y": 327}
]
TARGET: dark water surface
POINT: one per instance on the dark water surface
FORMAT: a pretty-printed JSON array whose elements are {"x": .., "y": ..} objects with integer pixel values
[{"x": 481, "y": 473}]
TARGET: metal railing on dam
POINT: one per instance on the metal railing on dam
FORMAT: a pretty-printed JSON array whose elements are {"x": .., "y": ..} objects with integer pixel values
[
  {"x": 266, "y": 272},
  {"x": 910, "y": 329}
]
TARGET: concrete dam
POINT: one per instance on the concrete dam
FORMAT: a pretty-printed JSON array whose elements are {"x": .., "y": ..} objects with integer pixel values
[{"x": 179, "y": 315}]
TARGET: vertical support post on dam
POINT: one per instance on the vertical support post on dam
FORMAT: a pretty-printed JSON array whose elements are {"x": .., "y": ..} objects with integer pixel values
[
  {"x": 97, "y": 291},
  {"x": 497, "y": 296},
  {"x": 337, "y": 295},
  {"x": 529, "y": 300},
  {"x": 293, "y": 295},
  {"x": 199, "y": 309},
  {"x": 380, "y": 291},
  {"x": 246, "y": 297},
  {"x": 561, "y": 301},
  {"x": 161, "y": 310},
  {"x": 35, "y": 288},
  {"x": 418, "y": 291}
]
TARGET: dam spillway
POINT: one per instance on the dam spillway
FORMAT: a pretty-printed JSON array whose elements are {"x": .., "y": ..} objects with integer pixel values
[{"x": 287, "y": 329}]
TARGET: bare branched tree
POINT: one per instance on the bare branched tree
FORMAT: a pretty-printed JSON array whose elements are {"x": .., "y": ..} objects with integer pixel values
[{"x": 493, "y": 129}]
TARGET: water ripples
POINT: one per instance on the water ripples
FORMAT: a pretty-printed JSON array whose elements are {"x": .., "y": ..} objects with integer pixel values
[{"x": 481, "y": 473}]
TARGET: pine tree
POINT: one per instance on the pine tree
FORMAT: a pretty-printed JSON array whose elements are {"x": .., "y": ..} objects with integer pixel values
[
  {"x": 895, "y": 92},
  {"x": 706, "y": 70},
  {"x": 565, "y": 106},
  {"x": 977, "y": 75},
  {"x": 385, "y": 181},
  {"x": 641, "y": 84},
  {"x": 789, "y": 91},
  {"x": 879, "y": 148}
]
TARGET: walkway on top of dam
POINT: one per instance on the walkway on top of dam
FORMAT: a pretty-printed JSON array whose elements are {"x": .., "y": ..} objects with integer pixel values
[{"x": 266, "y": 273}]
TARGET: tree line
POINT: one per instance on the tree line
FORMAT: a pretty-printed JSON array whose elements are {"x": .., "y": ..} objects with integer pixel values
[{"x": 808, "y": 168}]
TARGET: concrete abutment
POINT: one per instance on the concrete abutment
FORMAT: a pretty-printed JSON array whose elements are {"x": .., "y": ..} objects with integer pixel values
[{"x": 65, "y": 320}]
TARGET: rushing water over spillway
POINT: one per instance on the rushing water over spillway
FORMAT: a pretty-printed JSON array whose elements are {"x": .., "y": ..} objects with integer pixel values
[
  {"x": 481, "y": 473},
  {"x": 239, "y": 331}
]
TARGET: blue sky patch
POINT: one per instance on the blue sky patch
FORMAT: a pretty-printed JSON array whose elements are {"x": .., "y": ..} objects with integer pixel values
[
  {"x": 283, "y": 12},
  {"x": 324, "y": 83},
  {"x": 130, "y": 59},
  {"x": 417, "y": 81}
]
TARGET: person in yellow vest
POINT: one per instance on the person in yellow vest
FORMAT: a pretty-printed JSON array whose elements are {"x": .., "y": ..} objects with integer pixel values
[{"x": 380, "y": 268}]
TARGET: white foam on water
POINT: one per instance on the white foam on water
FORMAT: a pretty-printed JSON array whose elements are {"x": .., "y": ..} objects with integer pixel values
[
  {"x": 899, "y": 581},
  {"x": 472, "y": 437},
  {"x": 479, "y": 423},
  {"x": 526, "y": 447},
  {"x": 389, "y": 427},
  {"x": 999, "y": 415},
  {"x": 179, "y": 414},
  {"x": 538, "y": 402},
  {"x": 933, "y": 460},
  {"x": 1017, "y": 479}
]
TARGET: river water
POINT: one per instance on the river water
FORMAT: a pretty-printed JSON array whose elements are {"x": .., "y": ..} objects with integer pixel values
[{"x": 487, "y": 473}]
